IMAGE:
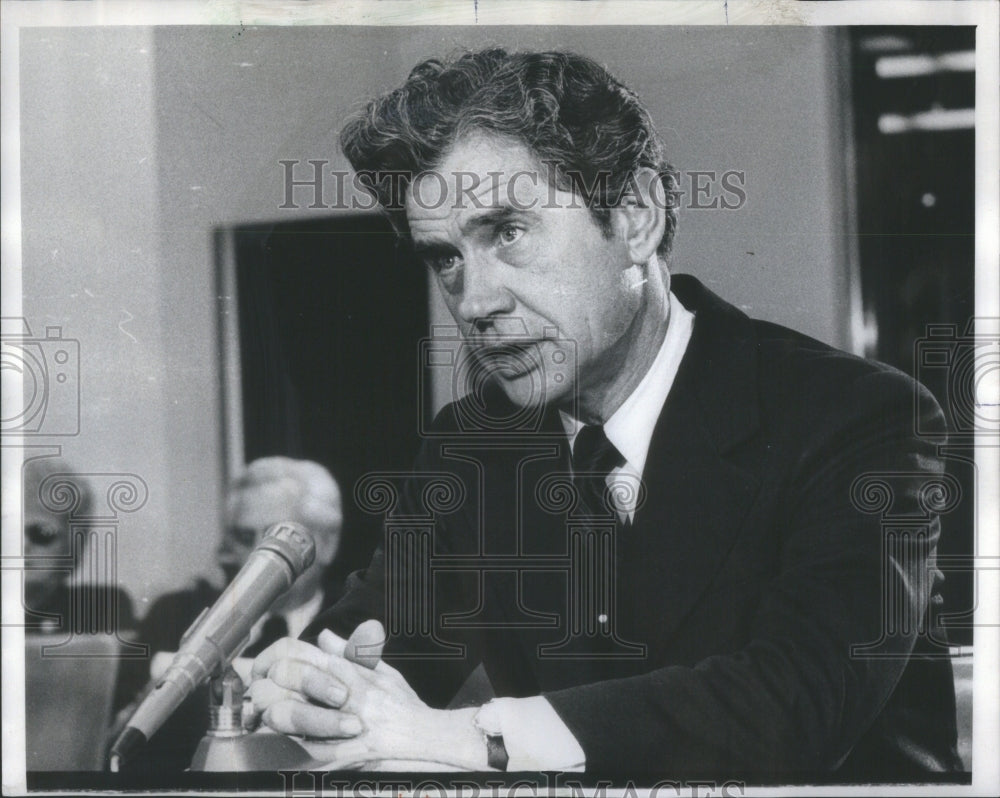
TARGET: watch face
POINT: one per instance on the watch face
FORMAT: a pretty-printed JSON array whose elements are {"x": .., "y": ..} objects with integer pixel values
[{"x": 488, "y": 722}]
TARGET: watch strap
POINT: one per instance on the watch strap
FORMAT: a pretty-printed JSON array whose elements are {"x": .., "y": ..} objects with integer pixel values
[
  {"x": 487, "y": 720},
  {"x": 496, "y": 752}
]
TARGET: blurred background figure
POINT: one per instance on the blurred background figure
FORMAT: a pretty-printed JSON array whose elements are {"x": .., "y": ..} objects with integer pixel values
[
  {"x": 268, "y": 491},
  {"x": 271, "y": 490},
  {"x": 62, "y": 589},
  {"x": 75, "y": 618}
]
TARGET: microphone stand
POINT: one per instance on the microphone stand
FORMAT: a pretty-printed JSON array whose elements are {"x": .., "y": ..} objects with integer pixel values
[
  {"x": 228, "y": 747},
  {"x": 216, "y": 636}
]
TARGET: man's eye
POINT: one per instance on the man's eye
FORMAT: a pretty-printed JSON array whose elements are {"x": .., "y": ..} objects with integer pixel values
[
  {"x": 42, "y": 534},
  {"x": 243, "y": 536},
  {"x": 509, "y": 233},
  {"x": 444, "y": 263}
]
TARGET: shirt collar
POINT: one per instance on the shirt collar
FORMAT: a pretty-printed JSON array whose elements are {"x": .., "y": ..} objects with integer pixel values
[
  {"x": 630, "y": 427},
  {"x": 296, "y": 619},
  {"x": 300, "y": 617}
]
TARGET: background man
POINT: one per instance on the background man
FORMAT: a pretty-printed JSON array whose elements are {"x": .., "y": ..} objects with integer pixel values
[
  {"x": 70, "y": 599},
  {"x": 735, "y": 577},
  {"x": 57, "y": 597},
  {"x": 269, "y": 490}
]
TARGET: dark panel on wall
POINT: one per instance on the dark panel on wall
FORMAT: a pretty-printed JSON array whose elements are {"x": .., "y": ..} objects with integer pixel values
[
  {"x": 331, "y": 314},
  {"x": 914, "y": 97}
]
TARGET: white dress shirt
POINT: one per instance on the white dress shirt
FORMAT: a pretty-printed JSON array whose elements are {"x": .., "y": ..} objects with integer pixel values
[{"x": 535, "y": 736}]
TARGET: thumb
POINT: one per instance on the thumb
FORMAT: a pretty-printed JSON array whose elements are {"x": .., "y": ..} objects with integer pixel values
[{"x": 364, "y": 646}]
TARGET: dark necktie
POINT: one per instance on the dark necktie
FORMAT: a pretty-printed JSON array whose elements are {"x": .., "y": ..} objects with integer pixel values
[
  {"x": 594, "y": 457},
  {"x": 273, "y": 630},
  {"x": 595, "y": 547}
]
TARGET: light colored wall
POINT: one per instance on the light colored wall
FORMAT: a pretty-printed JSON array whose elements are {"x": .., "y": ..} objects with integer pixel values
[
  {"x": 92, "y": 264},
  {"x": 137, "y": 143}
]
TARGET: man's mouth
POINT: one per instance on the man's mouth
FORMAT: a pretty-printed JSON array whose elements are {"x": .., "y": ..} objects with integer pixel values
[{"x": 509, "y": 359}]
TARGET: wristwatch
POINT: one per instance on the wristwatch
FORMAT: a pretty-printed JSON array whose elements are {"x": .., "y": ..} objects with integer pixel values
[{"x": 487, "y": 720}]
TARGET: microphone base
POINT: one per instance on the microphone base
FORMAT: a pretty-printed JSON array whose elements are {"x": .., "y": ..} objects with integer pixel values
[{"x": 250, "y": 752}]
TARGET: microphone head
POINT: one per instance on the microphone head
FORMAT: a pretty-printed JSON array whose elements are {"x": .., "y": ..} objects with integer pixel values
[{"x": 293, "y": 542}]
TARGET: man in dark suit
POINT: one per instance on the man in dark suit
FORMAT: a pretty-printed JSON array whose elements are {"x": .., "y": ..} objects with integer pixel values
[{"x": 655, "y": 523}]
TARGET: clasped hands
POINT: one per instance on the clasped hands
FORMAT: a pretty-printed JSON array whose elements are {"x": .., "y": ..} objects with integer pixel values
[{"x": 354, "y": 711}]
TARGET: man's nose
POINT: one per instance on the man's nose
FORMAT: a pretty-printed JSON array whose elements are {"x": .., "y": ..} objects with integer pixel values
[{"x": 484, "y": 294}]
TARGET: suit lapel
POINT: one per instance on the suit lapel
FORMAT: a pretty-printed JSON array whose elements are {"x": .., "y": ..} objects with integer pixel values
[
  {"x": 698, "y": 491},
  {"x": 701, "y": 482}
]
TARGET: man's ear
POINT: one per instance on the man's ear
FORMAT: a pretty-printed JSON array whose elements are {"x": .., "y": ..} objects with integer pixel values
[{"x": 641, "y": 215}]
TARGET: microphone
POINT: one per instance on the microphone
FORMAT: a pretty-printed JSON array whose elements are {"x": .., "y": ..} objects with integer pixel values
[{"x": 221, "y": 631}]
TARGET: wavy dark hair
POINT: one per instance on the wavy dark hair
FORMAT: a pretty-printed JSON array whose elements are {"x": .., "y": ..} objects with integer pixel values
[{"x": 567, "y": 109}]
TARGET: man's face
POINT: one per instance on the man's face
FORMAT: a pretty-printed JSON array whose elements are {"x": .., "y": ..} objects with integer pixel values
[
  {"x": 46, "y": 547},
  {"x": 521, "y": 262},
  {"x": 256, "y": 508}
]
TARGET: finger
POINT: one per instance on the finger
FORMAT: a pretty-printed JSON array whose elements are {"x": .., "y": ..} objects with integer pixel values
[
  {"x": 264, "y": 693},
  {"x": 250, "y": 717},
  {"x": 350, "y": 754},
  {"x": 335, "y": 646},
  {"x": 365, "y": 644},
  {"x": 331, "y": 643},
  {"x": 368, "y": 654},
  {"x": 353, "y": 674},
  {"x": 286, "y": 648},
  {"x": 296, "y": 717},
  {"x": 309, "y": 680}
]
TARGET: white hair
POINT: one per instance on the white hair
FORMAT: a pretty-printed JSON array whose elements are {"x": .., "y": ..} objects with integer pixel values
[{"x": 314, "y": 493}]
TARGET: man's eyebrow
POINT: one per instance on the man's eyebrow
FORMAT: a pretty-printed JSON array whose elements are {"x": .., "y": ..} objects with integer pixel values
[
  {"x": 430, "y": 247},
  {"x": 492, "y": 218}
]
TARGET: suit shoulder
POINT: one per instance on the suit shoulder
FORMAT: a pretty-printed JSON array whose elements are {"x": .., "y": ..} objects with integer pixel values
[
  {"x": 799, "y": 371},
  {"x": 804, "y": 359},
  {"x": 177, "y": 610},
  {"x": 487, "y": 409},
  {"x": 100, "y": 595},
  {"x": 447, "y": 418}
]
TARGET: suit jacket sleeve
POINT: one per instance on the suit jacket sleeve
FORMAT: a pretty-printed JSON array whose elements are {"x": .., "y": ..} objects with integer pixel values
[
  {"x": 364, "y": 597},
  {"x": 795, "y": 697}
]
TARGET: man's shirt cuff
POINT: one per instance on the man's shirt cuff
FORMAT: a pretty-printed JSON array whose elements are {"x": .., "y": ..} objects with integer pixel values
[{"x": 536, "y": 737}]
